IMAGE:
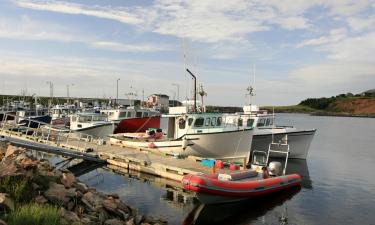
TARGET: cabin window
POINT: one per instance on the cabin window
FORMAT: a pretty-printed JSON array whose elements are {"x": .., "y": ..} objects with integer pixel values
[
  {"x": 139, "y": 114},
  {"x": 271, "y": 122},
  {"x": 213, "y": 121},
  {"x": 199, "y": 122},
  {"x": 181, "y": 123},
  {"x": 240, "y": 122},
  {"x": 219, "y": 120},
  {"x": 190, "y": 121},
  {"x": 122, "y": 114},
  {"x": 145, "y": 114},
  {"x": 250, "y": 122},
  {"x": 74, "y": 119},
  {"x": 268, "y": 122},
  {"x": 261, "y": 122},
  {"x": 111, "y": 113},
  {"x": 129, "y": 115},
  {"x": 208, "y": 122},
  {"x": 84, "y": 119}
]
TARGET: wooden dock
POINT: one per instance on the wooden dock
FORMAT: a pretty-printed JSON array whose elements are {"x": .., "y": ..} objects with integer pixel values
[{"x": 148, "y": 161}]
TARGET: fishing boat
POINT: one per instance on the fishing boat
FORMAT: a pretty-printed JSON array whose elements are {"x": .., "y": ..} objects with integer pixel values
[
  {"x": 266, "y": 131},
  {"x": 60, "y": 114},
  {"x": 227, "y": 186},
  {"x": 191, "y": 133},
  {"x": 94, "y": 124},
  {"x": 132, "y": 119}
]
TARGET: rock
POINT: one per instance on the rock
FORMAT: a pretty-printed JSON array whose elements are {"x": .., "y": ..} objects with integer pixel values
[
  {"x": 69, "y": 216},
  {"x": 12, "y": 151},
  {"x": 40, "y": 199},
  {"x": 110, "y": 205},
  {"x": 79, "y": 209},
  {"x": 67, "y": 179},
  {"x": 35, "y": 186},
  {"x": 28, "y": 163},
  {"x": 114, "y": 195},
  {"x": 9, "y": 169},
  {"x": 81, "y": 187},
  {"x": 102, "y": 215},
  {"x": 114, "y": 222},
  {"x": 130, "y": 222},
  {"x": 6, "y": 202},
  {"x": 139, "y": 219},
  {"x": 70, "y": 206},
  {"x": 2, "y": 222},
  {"x": 145, "y": 224},
  {"x": 122, "y": 206},
  {"x": 58, "y": 194},
  {"x": 93, "y": 200}
]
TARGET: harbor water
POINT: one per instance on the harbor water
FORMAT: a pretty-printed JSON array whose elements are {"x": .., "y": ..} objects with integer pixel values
[{"x": 338, "y": 183}]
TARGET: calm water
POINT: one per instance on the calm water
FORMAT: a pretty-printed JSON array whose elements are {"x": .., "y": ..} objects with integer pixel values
[{"x": 338, "y": 183}]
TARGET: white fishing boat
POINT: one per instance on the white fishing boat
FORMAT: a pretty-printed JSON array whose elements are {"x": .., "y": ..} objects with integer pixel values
[
  {"x": 198, "y": 134},
  {"x": 60, "y": 114},
  {"x": 94, "y": 124},
  {"x": 266, "y": 131}
]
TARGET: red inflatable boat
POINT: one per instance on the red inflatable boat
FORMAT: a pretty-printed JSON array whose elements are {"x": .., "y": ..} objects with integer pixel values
[{"x": 220, "y": 188}]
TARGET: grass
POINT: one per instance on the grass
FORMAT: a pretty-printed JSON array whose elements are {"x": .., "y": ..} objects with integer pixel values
[
  {"x": 18, "y": 188},
  {"x": 34, "y": 214}
]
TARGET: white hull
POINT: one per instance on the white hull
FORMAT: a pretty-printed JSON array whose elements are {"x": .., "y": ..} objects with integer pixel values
[
  {"x": 230, "y": 144},
  {"x": 299, "y": 141},
  {"x": 97, "y": 131}
]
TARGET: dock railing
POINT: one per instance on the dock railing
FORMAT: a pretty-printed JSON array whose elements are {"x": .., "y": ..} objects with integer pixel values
[{"x": 48, "y": 134}]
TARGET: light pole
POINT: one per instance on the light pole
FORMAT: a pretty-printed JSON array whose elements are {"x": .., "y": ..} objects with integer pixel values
[
  {"x": 178, "y": 91},
  {"x": 50, "y": 94},
  {"x": 117, "y": 91},
  {"x": 67, "y": 92}
]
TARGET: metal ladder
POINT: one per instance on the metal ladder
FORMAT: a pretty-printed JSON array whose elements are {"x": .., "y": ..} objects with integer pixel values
[{"x": 279, "y": 148}]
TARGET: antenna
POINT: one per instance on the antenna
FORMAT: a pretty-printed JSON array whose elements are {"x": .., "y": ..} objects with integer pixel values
[{"x": 202, "y": 93}]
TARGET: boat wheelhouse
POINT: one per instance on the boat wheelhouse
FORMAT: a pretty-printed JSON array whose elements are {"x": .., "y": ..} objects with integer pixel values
[{"x": 94, "y": 124}]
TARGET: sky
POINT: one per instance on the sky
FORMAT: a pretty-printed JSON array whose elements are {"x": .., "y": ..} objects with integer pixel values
[{"x": 288, "y": 50}]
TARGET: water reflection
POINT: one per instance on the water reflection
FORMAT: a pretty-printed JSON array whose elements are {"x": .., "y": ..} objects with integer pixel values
[{"x": 240, "y": 212}]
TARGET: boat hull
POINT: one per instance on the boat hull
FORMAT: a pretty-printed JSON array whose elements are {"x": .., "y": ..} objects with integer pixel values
[
  {"x": 97, "y": 131},
  {"x": 132, "y": 125},
  {"x": 221, "y": 145},
  {"x": 299, "y": 142},
  {"x": 33, "y": 122}
]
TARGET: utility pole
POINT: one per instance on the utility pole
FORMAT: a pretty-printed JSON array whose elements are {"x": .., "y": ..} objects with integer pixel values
[
  {"x": 117, "y": 91},
  {"x": 67, "y": 92},
  {"x": 50, "y": 94},
  {"x": 178, "y": 90}
]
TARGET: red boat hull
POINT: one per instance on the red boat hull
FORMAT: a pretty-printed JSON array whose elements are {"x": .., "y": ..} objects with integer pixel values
[
  {"x": 132, "y": 125},
  {"x": 209, "y": 186}
]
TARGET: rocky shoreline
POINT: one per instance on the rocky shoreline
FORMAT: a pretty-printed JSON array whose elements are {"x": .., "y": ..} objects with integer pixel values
[{"x": 32, "y": 181}]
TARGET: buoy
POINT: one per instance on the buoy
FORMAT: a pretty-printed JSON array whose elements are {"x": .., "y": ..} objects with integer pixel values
[
  {"x": 151, "y": 145},
  {"x": 184, "y": 143}
]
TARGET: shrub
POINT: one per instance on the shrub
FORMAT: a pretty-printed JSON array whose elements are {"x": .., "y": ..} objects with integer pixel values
[{"x": 34, "y": 214}]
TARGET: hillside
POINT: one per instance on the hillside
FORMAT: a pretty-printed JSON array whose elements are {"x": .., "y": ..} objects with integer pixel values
[{"x": 341, "y": 105}]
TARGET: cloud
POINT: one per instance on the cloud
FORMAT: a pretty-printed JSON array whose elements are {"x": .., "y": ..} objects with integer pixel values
[
  {"x": 115, "y": 46},
  {"x": 119, "y": 14},
  {"x": 334, "y": 35},
  {"x": 361, "y": 24}
]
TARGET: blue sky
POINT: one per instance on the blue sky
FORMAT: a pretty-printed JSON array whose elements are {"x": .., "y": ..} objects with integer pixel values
[{"x": 299, "y": 48}]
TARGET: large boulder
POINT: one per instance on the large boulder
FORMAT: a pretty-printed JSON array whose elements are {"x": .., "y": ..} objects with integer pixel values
[
  {"x": 9, "y": 168},
  {"x": 93, "y": 200},
  {"x": 57, "y": 193},
  {"x": 6, "y": 203},
  {"x": 69, "y": 216}
]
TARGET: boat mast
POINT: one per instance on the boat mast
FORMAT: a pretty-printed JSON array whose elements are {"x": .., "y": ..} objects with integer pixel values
[
  {"x": 202, "y": 93},
  {"x": 195, "y": 89}
]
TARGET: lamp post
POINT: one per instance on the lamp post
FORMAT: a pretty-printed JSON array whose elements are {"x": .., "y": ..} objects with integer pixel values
[{"x": 117, "y": 91}]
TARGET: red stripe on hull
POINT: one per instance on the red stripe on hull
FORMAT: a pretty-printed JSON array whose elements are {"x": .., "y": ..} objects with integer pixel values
[{"x": 137, "y": 124}]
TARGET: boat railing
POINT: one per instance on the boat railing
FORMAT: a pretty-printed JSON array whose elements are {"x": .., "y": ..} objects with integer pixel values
[{"x": 46, "y": 133}]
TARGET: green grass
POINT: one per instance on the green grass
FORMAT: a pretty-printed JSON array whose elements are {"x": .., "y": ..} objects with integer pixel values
[
  {"x": 18, "y": 188},
  {"x": 34, "y": 214}
]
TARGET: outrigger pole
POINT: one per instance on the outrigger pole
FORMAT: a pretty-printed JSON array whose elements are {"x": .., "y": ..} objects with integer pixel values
[{"x": 195, "y": 89}]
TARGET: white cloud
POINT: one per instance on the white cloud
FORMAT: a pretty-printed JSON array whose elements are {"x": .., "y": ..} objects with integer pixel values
[
  {"x": 361, "y": 24},
  {"x": 293, "y": 23},
  {"x": 334, "y": 35},
  {"x": 119, "y": 14},
  {"x": 115, "y": 46}
]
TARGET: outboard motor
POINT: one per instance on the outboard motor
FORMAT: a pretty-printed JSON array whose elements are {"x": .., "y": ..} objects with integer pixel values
[{"x": 275, "y": 168}]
